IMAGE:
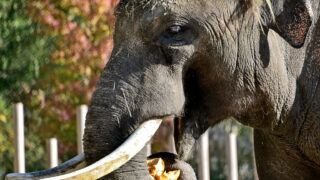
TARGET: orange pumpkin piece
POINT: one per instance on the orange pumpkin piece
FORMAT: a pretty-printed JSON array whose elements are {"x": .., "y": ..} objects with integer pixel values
[
  {"x": 156, "y": 169},
  {"x": 171, "y": 175}
]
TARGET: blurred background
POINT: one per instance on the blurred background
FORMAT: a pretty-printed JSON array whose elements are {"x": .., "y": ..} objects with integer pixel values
[{"x": 51, "y": 55}]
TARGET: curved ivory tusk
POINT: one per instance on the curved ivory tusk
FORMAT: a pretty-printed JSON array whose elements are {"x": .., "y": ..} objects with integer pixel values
[
  {"x": 71, "y": 165},
  {"x": 106, "y": 165}
]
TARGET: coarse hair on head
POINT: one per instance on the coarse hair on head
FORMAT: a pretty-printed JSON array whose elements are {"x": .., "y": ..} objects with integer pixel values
[{"x": 131, "y": 5}]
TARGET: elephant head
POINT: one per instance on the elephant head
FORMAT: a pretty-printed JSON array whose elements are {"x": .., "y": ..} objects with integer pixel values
[{"x": 198, "y": 62}]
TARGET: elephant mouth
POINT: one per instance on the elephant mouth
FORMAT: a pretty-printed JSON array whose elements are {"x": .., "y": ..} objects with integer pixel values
[{"x": 76, "y": 168}]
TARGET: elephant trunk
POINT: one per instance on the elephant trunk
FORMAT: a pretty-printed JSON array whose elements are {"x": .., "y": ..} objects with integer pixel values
[
  {"x": 103, "y": 136},
  {"x": 109, "y": 123}
]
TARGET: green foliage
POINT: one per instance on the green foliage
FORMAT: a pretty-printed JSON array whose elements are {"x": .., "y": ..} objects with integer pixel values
[
  {"x": 22, "y": 53},
  {"x": 51, "y": 55},
  {"x": 6, "y": 139}
]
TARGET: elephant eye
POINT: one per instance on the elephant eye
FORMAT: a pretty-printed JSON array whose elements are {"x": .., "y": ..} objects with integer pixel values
[
  {"x": 175, "y": 35},
  {"x": 174, "y": 30}
]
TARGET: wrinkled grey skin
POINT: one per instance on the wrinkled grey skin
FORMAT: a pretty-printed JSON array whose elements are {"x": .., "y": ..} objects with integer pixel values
[{"x": 222, "y": 63}]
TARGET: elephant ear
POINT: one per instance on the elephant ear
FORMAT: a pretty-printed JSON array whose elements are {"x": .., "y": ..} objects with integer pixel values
[{"x": 293, "y": 19}]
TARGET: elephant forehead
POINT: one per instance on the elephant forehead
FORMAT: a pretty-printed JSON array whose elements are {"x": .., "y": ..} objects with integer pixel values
[
  {"x": 137, "y": 4},
  {"x": 131, "y": 7},
  {"x": 198, "y": 9}
]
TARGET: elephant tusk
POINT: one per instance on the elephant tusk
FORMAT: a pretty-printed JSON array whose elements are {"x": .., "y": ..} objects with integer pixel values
[
  {"x": 71, "y": 165},
  {"x": 134, "y": 144}
]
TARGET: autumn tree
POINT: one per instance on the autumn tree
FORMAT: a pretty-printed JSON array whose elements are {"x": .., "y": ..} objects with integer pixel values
[
  {"x": 52, "y": 53},
  {"x": 83, "y": 31}
]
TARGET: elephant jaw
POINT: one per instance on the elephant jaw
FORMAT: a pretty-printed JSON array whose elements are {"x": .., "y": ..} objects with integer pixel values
[{"x": 76, "y": 168}]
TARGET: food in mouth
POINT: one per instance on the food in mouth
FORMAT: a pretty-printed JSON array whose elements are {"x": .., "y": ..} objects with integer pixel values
[{"x": 156, "y": 169}]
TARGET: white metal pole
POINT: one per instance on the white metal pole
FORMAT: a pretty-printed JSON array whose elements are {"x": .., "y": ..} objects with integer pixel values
[
  {"x": 232, "y": 157},
  {"x": 255, "y": 172},
  {"x": 81, "y": 118},
  {"x": 52, "y": 151},
  {"x": 203, "y": 157},
  {"x": 172, "y": 145},
  {"x": 18, "y": 116}
]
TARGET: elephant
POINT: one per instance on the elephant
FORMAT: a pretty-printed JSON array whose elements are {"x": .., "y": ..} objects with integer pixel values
[{"x": 201, "y": 61}]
